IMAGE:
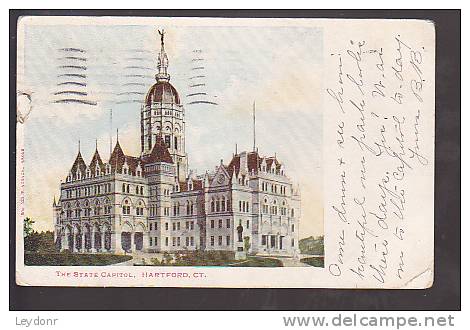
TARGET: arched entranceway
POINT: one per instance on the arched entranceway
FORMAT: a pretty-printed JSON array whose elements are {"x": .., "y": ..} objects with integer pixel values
[
  {"x": 77, "y": 239},
  {"x": 97, "y": 239},
  {"x": 107, "y": 238},
  {"x": 87, "y": 235},
  {"x": 139, "y": 241},
  {"x": 126, "y": 241}
]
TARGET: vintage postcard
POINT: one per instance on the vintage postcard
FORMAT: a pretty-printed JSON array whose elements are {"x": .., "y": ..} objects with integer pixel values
[{"x": 224, "y": 152}]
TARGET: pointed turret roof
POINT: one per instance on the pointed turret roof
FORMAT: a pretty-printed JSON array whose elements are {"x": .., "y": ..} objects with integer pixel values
[
  {"x": 79, "y": 165},
  {"x": 97, "y": 160},
  {"x": 160, "y": 153}
]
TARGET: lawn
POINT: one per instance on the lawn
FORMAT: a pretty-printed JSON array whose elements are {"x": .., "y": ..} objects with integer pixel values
[
  {"x": 259, "y": 262},
  {"x": 213, "y": 258},
  {"x": 71, "y": 259},
  {"x": 314, "y": 261}
]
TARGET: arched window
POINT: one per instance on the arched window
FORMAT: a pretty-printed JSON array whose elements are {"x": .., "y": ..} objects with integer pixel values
[
  {"x": 217, "y": 205},
  {"x": 212, "y": 205},
  {"x": 223, "y": 204},
  {"x": 126, "y": 208},
  {"x": 139, "y": 210}
]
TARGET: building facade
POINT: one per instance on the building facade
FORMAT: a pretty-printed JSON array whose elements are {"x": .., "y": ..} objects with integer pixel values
[{"x": 153, "y": 203}]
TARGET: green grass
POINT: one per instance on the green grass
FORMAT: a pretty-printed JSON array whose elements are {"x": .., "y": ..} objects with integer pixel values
[
  {"x": 214, "y": 258},
  {"x": 314, "y": 261},
  {"x": 260, "y": 262},
  {"x": 70, "y": 259}
]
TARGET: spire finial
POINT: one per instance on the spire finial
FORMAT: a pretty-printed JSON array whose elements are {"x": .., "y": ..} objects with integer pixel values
[
  {"x": 110, "y": 131},
  {"x": 117, "y": 135},
  {"x": 162, "y": 59},
  {"x": 78, "y": 145},
  {"x": 254, "y": 125},
  {"x": 236, "y": 149},
  {"x": 96, "y": 144}
]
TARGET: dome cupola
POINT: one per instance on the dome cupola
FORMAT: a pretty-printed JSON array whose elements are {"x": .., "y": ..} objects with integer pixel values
[{"x": 162, "y": 91}]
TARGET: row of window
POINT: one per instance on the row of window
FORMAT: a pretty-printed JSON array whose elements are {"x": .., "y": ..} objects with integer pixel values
[
  {"x": 220, "y": 205},
  {"x": 176, "y": 241},
  {"x": 126, "y": 208},
  {"x": 272, "y": 170},
  {"x": 220, "y": 223},
  {"x": 88, "y": 191},
  {"x": 266, "y": 186},
  {"x": 97, "y": 172},
  {"x": 126, "y": 188},
  {"x": 220, "y": 238},
  {"x": 88, "y": 211},
  {"x": 177, "y": 225},
  {"x": 243, "y": 206}
]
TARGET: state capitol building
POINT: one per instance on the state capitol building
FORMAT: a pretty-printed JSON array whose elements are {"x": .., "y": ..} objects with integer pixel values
[{"x": 153, "y": 203}]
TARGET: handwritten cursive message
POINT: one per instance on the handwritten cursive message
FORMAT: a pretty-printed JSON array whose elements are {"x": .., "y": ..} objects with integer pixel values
[{"x": 379, "y": 103}]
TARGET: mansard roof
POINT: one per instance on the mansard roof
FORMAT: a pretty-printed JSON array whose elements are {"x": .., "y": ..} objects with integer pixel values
[
  {"x": 197, "y": 185},
  {"x": 159, "y": 153},
  {"x": 271, "y": 160},
  {"x": 253, "y": 161}
]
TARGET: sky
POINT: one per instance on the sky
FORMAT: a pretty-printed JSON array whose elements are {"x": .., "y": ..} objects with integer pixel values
[{"x": 112, "y": 66}]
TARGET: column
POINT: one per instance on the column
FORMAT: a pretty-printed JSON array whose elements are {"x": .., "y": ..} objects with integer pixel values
[
  {"x": 103, "y": 241},
  {"x": 93, "y": 243},
  {"x": 145, "y": 242},
  {"x": 82, "y": 248},
  {"x": 116, "y": 246},
  {"x": 64, "y": 242},
  {"x": 75, "y": 242}
]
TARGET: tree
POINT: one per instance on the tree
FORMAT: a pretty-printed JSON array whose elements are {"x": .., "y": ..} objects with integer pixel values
[
  {"x": 27, "y": 227},
  {"x": 42, "y": 242},
  {"x": 246, "y": 243}
]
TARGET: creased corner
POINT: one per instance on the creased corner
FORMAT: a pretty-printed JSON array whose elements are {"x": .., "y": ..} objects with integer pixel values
[{"x": 423, "y": 280}]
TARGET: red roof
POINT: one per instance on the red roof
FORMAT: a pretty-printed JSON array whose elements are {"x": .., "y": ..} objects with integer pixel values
[
  {"x": 78, "y": 164},
  {"x": 253, "y": 161},
  {"x": 197, "y": 185},
  {"x": 97, "y": 160},
  {"x": 159, "y": 154},
  {"x": 118, "y": 158},
  {"x": 162, "y": 92}
]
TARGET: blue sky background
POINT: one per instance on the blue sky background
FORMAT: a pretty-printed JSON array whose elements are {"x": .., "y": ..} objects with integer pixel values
[{"x": 279, "y": 67}]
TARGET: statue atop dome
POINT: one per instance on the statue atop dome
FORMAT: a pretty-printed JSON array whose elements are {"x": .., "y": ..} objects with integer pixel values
[
  {"x": 162, "y": 60},
  {"x": 162, "y": 35}
]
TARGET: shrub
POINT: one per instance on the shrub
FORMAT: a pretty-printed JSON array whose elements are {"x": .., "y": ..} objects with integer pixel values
[{"x": 314, "y": 261}]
